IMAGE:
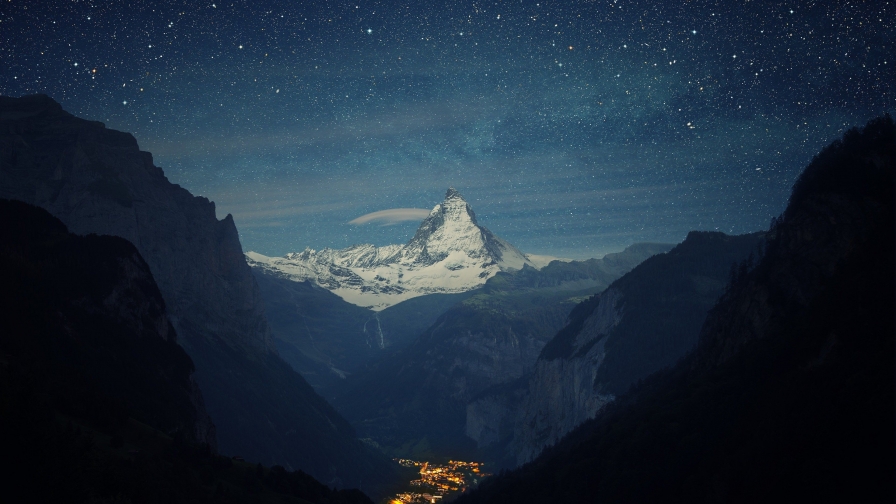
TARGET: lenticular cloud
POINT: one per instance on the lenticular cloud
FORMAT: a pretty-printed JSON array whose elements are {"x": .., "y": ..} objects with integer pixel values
[{"x": 392, "y": 216}]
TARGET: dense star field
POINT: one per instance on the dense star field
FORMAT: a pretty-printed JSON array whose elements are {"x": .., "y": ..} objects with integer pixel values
[{"x": 572, "y": 128}]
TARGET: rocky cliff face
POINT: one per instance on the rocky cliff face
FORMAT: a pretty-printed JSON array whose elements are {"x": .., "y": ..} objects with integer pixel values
[
  {"x": 451, "y": 228},
  {"x": 562, "y": 391},
  {"x": 97, "y": 181},
  {"x": 643, "y": 322}
]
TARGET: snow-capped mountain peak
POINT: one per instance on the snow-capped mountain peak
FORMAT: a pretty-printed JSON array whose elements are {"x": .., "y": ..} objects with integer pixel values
[
  {"x": 452, "y": 227},
  {"x": 450, "y": 252}
]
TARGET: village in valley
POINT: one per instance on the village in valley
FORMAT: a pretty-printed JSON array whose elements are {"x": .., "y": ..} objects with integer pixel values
[{"x": 439, "y": 481}]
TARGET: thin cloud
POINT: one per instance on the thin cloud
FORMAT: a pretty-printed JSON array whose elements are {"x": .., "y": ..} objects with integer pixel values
[
  {"x": 392, "y": 216},
  {"x": 407, "y": 121}
]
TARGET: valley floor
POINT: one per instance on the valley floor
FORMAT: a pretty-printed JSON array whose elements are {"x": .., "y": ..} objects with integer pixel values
[{"x": 438, "y": 482}]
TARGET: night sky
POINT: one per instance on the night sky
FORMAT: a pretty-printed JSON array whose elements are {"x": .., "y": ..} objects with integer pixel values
[{"x": 572, "y": 128}]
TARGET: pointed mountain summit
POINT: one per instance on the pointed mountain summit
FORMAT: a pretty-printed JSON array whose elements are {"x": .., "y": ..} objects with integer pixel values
[
  {"x": 450, "y": 252},
  {"x": 451, "y": 228}
]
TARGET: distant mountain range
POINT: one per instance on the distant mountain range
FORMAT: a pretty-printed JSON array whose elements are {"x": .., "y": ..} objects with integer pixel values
[
  {"x": 449, "y": 253},
  {"x": 449, "y": 260},
  {"x": 327, "y": 339}
]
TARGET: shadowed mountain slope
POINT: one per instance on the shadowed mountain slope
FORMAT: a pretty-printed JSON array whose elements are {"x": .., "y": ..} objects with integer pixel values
[
  {"x": 643, "y": 322},
  {"x": 85, "y": 314},
  {"x": 96, "y": 180},
  {"x": 326, "y": 338},
  {"x": 789, "y": 395},
  {"x": 414, "y": 401},
  {"x": 97, "y": 400}
]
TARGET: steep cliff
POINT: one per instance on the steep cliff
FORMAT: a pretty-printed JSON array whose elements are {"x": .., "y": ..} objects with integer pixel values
[
  {"x": 643, "y": 322},
  {"x": 96, "y": 180},
  {"x": 789, "y": 395}
]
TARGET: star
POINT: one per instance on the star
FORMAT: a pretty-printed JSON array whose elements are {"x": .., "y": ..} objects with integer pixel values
[{"x": 444, "y": 121}]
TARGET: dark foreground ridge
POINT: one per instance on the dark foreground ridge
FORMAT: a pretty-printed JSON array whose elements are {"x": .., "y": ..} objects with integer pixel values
[
  {"x": 97, "y": 401},
  {"x": 96, "y": 180},
  {"x": 789, "y": 395}
]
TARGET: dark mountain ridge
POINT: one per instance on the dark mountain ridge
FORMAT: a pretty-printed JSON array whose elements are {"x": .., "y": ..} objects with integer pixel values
[
  {"x": 97, "y": 400},
  {"x": 96, "y": 180},
  {"x": 85, "y": 314},
  {"x": 789, "y": 395},
  {"x": 643, "y": 322}
]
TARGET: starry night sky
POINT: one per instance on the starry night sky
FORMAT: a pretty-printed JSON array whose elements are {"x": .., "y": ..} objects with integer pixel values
[{"x": 572, "y": 128}]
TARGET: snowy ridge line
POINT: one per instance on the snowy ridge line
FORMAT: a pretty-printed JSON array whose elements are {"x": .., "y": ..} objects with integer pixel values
[{"x": 450, "y": 252}]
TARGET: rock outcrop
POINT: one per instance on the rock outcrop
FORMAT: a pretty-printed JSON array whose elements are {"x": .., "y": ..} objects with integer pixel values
[{"x": 643, "y": 322}]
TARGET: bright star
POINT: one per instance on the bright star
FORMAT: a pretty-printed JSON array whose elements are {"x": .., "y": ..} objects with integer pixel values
[{"x": 369, "y": 31}]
